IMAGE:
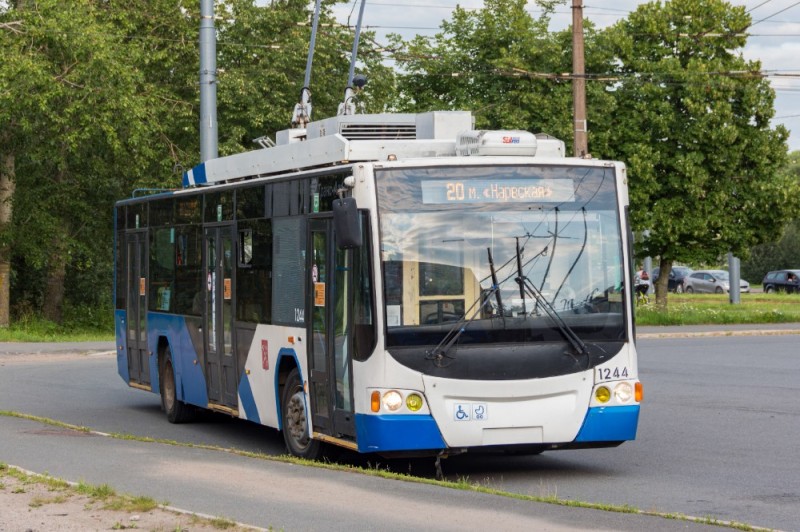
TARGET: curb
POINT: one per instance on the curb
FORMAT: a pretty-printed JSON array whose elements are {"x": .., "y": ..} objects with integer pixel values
[{"x": 711, "y": 334}]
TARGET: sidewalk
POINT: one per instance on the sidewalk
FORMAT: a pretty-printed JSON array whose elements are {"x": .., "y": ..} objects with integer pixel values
[
  {"x": 36, "y": 348},
  {"x": 744, "y": 329}
]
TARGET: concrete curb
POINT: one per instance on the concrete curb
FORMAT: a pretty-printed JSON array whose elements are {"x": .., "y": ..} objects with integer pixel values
[{"x": 704, "y": 334}]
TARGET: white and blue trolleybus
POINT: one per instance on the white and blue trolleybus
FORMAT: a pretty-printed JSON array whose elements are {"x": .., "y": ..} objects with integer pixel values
[{"x": 389, "y": 284}]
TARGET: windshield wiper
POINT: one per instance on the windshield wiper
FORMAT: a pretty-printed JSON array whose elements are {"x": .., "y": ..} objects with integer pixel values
[
  {"x": 439, "y": 353},
  {"x": 527, "y": 287}
]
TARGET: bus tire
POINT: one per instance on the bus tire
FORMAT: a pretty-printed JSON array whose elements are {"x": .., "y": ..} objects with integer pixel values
[
  {"x": 296, "y": 431},
  {"x": 177, "y": 411}
]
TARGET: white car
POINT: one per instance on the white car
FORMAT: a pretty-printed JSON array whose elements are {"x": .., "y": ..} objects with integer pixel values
[{"x": 711, "y": 282}]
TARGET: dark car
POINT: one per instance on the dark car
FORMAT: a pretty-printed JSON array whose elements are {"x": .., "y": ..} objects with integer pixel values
[
  {"x": 782, "y": 280},
  {"x": 676, "y": 277}
]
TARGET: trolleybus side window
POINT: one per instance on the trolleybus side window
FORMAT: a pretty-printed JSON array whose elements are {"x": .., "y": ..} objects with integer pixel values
[
  {"x": 254, "y": 275},
  {"x": 289, "y": 270}
]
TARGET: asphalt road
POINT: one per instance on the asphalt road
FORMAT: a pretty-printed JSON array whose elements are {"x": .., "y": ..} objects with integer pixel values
[{"x": 716, "y": 439}]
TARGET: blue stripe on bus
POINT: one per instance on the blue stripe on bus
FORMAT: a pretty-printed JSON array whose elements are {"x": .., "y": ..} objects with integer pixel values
[
  {"x": 122, "y": 345},
  {"x": 246, "y": 400},
  {"x": 195, "y": 176},
  {"x": 397, "y": 433},
  {"x": 190, "y": 381},
  {"x": 610, "y": 423}
]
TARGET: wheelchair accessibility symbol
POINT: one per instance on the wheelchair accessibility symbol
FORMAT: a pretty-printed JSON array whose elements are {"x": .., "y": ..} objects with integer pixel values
[{"x": 470, "y": 412}]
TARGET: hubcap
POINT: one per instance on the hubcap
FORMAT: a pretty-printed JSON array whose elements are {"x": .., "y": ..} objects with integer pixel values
[
  {"x": 296, "y": 421},
  {"x": 169, "y": 390}
]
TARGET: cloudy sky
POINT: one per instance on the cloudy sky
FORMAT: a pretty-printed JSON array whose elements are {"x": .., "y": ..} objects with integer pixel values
[{"x": 774, "y": 36}]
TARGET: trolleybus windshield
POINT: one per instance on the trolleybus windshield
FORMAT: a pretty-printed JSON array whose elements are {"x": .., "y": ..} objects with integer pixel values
[{"x": 555, "y": 227}]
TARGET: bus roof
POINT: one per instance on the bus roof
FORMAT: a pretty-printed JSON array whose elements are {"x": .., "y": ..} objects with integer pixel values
[{"x": 350, "y": 138}]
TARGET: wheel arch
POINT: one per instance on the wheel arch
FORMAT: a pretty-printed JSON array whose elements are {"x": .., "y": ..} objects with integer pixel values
[{"x": 287, "y": 361}]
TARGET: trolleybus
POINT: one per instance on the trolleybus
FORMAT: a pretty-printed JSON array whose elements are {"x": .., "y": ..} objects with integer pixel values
[{"x": 388, "y": 284}]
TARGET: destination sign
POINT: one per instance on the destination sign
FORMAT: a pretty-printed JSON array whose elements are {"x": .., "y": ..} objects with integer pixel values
[{"x": 444, "y": 191}]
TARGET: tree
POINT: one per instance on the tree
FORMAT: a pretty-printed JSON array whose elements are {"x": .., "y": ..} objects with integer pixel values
[
  {"x": 783, "y": 253},
  {"x": 81, "y": 123},
  {"x": 692, "y": 122},
  {"x": 99, "y": 97},
  {"x": 488, "y": 61}
]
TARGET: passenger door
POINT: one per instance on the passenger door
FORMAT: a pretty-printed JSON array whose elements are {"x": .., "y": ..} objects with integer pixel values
[
  {"x": 331, "y": 324},
  {"x": 221, "y": 371},
  {"x": 136, "y": 280}
]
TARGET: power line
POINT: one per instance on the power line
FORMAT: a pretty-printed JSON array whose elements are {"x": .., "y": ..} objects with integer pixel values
[
  {"x": 774, "y": 14},
  {"x": 759, "y": 5}
]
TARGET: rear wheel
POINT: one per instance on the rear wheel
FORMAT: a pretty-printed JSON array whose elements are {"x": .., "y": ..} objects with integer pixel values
[
  {"x": 679, "y": 289},
  {"x": 177, "y": 411},
  {"x": 296, "y": 429}
]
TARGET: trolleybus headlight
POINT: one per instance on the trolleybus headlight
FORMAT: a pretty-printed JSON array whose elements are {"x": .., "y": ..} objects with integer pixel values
[
  {"x": 414, "y": 402},
  {"x": 602, "y": 394},
  {"x": 623, "y": 392},
  {"x": 392, "y": 400}
]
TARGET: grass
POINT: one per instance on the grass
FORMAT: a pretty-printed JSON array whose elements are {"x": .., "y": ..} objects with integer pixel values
[
  {"x": 715, "y": 309},
  {"x": 103, "y": 494},
  {"x": 39, "y": 330}
]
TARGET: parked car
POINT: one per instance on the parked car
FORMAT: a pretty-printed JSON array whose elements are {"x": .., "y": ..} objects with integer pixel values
[
  {"x": 676, "y": 277},
  {"x": 782, "y": 280},
  {"x": 712, "y": 282}
]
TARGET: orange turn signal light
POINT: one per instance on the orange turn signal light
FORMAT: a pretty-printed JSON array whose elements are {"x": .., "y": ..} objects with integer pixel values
[
  {"x": 375, "y": 401},
  {"x": 639, "y": 393}
]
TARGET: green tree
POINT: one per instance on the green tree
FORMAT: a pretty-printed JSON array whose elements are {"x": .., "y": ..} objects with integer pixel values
[
  {"x": 82, "y": 123},
  {"x": 262, "y": 53},
  {"x": 782, "y": 253},
  {"x": 98, "y": 97},
  {"x": 507, "y": 68},
  {"x": 692, "y": 122}
]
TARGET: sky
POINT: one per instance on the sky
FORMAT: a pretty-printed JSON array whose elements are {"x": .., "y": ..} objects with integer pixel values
[{"x": 774, "y": 36}]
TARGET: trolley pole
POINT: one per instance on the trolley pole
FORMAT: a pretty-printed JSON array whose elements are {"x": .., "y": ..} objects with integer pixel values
[
  {"x": 581, "y": 147},
  {"x": 208, "y": 82}
]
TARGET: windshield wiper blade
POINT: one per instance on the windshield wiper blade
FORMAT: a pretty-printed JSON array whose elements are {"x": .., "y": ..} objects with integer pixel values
[
  {"x": 439, "y": 353},
  {"x": 494, "y": 281},
  {"x": 527, "y": 287}
]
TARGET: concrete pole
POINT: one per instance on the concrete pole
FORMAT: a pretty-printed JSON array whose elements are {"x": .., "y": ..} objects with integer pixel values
[
  {"x": 208, "y": 82},
  {"x": 734, "y": 276},
  {"x": 580, "y": 146}
]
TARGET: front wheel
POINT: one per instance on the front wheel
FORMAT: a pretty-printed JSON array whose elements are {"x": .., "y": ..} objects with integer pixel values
[
  {"x": 177, "y": 411},
  {"x": 769, "y": 289},
  {"x": 296, "y": 429},
  {"x": 689, "y": 290},
  {"x": 719, "y": 290}
]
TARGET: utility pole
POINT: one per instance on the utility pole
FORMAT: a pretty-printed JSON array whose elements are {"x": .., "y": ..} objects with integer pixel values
[
  {"x": 208, "y": 82},
  {"x": 581, "y": 146}
]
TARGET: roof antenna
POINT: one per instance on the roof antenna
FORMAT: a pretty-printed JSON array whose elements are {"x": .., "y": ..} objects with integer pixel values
[
  {"x": 302, "y": 110},
  {"x": 347, "y": 107}
]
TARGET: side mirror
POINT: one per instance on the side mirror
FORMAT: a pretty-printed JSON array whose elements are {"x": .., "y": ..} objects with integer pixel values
[{"x": 345, "y": 223}]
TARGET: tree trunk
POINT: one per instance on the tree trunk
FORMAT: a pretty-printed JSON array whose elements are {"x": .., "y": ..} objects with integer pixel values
[
  {"x": 662, "y": 285},
  {"x": 56, "y": 275},
  {"x": 7, "y": 185}
]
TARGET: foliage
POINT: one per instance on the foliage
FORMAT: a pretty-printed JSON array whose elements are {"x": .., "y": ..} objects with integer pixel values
[
  {"x": 692, "y": 122},
  {"x": 783, "y": 253},
  {"x": 101, "y": 97},
  {"x": 498, "y": 62}
]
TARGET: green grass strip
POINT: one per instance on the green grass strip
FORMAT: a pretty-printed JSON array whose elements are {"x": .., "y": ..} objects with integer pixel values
[{"x": 463, "y": 484}]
